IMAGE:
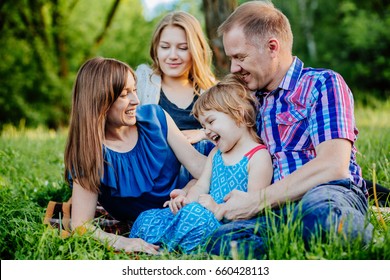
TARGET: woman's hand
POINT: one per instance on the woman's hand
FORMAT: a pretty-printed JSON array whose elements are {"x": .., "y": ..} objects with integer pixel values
[
  {"x": 134, "y": 245},
  {"x": 194, "y": 135},
  {"x": 118, "y": 242}
]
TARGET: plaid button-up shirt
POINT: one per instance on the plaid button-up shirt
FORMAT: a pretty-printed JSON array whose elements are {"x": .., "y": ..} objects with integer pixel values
[{"x": 309, "y": 107}]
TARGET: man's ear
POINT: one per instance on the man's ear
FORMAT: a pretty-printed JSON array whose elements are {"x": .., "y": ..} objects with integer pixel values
[{"x": 273, "y": 46}]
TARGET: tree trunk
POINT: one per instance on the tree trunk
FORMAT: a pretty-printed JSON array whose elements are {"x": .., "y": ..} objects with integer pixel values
[
  {"x": 307, "y": 11},
  {"x": 100, "y": 37},
  {"x": 216, "y": 11}
]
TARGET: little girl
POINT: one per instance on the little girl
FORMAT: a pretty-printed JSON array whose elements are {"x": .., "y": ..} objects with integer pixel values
[{"x": 227, "y": 112}]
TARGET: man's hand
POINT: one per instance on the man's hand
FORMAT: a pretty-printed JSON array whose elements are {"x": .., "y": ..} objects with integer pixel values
[{"x": 241, "y": 205}]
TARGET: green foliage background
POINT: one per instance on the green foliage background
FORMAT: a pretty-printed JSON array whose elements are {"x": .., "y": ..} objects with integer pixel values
[
  {"x": 350, "y": 36},
  {"x": 44, "y": 42}
]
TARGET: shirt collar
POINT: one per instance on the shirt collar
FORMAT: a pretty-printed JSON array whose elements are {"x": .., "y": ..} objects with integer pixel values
[{"x": 290, "y": 80}]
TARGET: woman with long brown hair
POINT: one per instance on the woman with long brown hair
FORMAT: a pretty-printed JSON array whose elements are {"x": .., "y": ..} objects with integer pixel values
[{"x": 124, "y": 156}]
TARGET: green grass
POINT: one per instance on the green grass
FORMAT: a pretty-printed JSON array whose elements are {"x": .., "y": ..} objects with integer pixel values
[{"x": 31, "y": 174}]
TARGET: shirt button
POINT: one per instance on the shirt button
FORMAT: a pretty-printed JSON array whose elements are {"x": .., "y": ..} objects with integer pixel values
[{"x": 290, "y": 119}]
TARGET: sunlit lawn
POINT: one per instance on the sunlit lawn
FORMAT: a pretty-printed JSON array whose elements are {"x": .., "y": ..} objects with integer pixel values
[{"x": 31, "y": 174}]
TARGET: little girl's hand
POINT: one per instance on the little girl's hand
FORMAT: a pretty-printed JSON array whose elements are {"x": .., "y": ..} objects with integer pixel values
[
  {"x": 175, "y": 204},
  {"x": 176, "y": 192},
  {"x": 208, "y": 202},
  {"x": 178, "y": 200}
]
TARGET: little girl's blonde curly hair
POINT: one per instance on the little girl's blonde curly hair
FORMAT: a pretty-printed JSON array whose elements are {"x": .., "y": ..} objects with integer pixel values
[{"x": 232, "y": 97}]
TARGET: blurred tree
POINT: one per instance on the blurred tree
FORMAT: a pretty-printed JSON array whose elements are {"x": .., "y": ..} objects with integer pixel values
[
  {"x": 350, "y": 36},
  {"x": 366, "y": 43},
  {"x": 130, "y": 35},
  {"x": 216, "y": 11},
  {"x": 44, "y": 42}
]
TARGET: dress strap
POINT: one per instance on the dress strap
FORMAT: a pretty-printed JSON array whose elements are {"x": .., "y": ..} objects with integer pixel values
[{"x": 254, "y": 150}]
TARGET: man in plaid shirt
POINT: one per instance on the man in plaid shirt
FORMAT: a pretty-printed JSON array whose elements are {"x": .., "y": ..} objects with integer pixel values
[{"x": 307, "y": 122}]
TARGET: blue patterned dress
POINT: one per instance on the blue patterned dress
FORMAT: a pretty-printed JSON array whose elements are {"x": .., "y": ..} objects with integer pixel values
[{"x": 193, "y": 224}]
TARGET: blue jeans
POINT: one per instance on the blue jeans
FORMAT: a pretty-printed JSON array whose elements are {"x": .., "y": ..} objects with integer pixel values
[
  {"x": 204, "y": 147},
  {"x": 338, "y": 206}
]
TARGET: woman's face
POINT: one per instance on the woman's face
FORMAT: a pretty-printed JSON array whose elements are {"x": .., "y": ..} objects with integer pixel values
[
  {"x": 122, "y": 111},
  {"x": 173, "y": 54}
]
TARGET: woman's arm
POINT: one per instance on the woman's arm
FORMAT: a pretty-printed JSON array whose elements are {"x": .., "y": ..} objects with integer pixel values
[
  {"x": 192, "y": 160},
  {"x": 83, "y": 205},
  {"x": 83, "y": 211},
  {"x": 194, "y": 135}
]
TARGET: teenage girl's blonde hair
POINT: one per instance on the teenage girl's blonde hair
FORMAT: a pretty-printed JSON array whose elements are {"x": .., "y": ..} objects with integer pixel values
[
  {"x": 260, "y": 20},
  {"x": 98, "y": 84},
  {"x": 232, "y": 97},
  {"x": 200, "y": 74}
]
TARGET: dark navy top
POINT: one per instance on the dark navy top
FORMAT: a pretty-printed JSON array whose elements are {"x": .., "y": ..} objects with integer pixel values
[{"x": 182, "y": 117}]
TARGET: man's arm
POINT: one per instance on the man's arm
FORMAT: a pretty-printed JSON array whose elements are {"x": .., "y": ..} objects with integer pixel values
[{"x": 331, "y": 163}]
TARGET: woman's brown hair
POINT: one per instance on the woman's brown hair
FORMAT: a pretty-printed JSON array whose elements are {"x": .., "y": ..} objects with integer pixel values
[{"x": 98, "y": 84}]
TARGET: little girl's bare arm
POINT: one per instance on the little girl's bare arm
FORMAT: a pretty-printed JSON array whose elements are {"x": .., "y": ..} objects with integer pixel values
[
  {"x": 180, "y": 198},
  {"x": 260, "y": 171}
]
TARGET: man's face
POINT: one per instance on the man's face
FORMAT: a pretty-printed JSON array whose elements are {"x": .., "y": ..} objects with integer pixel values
[{"x": 253, "y": 63}]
